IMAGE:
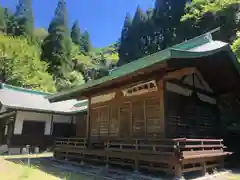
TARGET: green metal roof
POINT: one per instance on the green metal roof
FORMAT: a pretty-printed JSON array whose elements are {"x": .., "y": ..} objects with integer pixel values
[
  {"x": 16, "y": 88},
  {"x": 26, "y": 99},
  {"x": 203, "y": 45}
]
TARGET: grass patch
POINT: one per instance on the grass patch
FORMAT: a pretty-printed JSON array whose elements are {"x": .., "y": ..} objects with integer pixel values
[
  {"x": 17, "y": 170},
  {"x": 234, "y": 177}
]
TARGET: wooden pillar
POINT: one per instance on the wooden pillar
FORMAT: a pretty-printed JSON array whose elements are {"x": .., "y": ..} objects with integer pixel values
[
  {"x": 136, "y": 164},
  {"x": 204, "y": 169},
  {"x": 51, "y": 128},
  {"x": 2, "y": 130},
  {"x": 145, "y": 119},
  {"x": 178, "y": 170},
  {"x": 218, "y": 118},
  {"x": 162, "y": 104},
  {"x": 221, "y": 163},
  {"x": 131, "y": 121},
  {"x": 88, "y": 124},
  {"x": 10, "y": 131}
]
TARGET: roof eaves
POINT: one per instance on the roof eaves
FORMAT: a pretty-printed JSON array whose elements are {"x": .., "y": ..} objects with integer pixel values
[
  {"x": 176, "y": 53},
  {"x": 195, "y": 42},
  {"x": 78, "y": 111},
  {"x": 37, "y": 110}
]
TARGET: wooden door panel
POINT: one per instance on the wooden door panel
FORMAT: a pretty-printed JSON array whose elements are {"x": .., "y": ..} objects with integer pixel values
[
  {"x": 114, "y": 122},
  {"x": 153, "y": 115},
  {"x": 138, "y": 119},
  {"x": 103, "y": 121},
  {"x": 94, "y": 118},
  {"x": 125, "y": 119}
]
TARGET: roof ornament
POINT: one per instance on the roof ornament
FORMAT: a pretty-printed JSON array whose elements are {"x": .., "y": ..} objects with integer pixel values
[{"x": 209, "y": 34}]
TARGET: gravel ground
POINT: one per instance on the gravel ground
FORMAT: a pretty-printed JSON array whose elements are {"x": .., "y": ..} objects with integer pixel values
[{"x": 50, "y": 166}]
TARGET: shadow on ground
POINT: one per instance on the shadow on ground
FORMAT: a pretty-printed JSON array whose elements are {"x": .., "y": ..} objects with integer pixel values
[
  {"x": 65, "y": 171},
  {"x": 48, "y": 166}
]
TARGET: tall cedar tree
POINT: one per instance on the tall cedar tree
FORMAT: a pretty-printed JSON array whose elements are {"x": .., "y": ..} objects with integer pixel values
[
  {"x": 10, "y": 21},
  {"x": 152, "y": 31},
  {"x": 76, "y": 34},
  {"x": 2, "y": 20},
  {"x": 86, "y": 43},
  {"x": 124, "y": 41},
  {"x": 135, "y": 37},
  {"x": 56, "y": 47},
  {"x": 167, "y": 15},
  {"x": 24, "y": 18},
  {"x": 138, "y": 34}
]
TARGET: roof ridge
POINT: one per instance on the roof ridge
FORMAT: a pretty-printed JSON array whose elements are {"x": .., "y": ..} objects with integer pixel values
[{"x": 17, "y": 88}]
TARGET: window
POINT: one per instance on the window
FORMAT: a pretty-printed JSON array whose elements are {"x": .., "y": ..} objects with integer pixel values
[{"x": 33, "y": 128}]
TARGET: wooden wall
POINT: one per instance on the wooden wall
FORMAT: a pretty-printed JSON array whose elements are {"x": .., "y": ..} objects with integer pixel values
[
  {"x": 128, "y": 116},
  {"x": 161, "y": 111},
  {"x": 81, "y": 123},
  {"x": 189, "y": 116}
]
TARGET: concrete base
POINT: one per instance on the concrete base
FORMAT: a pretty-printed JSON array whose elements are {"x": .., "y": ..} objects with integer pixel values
[
  {"x": 178, "y": 178},
  {"x": 216, "y": 176},
  {"x": 3, "y": 149},
  {"x": 14, "y": 151}
]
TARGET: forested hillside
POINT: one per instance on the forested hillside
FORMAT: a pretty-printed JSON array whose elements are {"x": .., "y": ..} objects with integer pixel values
[{"x": 62, "y": 56}]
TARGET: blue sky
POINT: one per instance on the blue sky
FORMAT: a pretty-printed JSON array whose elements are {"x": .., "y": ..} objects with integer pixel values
[{"x": 102, "y": 18}]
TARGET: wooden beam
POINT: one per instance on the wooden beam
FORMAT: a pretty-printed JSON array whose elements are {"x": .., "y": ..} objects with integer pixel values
[
  {"x": 178, "y": 82},
  {"x": 7, "y": 114},
  {"x": 145, "y": 117},
  {"x": 81, "y": 98},
  {"x": 161, "y": 92},
  {"x": 51, "y": 128},
  {"x": 179, "y": 73},
  {"x": 88, "y": 128}
]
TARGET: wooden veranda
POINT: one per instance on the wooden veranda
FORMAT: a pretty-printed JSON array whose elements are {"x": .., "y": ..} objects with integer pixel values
[{"x": 173, "y": 156}]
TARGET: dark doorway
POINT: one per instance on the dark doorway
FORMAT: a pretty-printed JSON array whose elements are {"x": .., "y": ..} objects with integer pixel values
[
  {"x": 2, "y": 130},
  {"x": 63, "y": 130},
  {"x": 33, "y": 128}
]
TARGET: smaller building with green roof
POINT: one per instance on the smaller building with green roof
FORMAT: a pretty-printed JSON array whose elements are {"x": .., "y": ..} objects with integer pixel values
[{"x": 27, "y": 117}]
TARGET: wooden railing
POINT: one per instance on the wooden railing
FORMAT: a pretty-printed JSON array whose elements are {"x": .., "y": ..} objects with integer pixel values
[
  {"x": 151, "y": 154},
  {"x": 71, "y": 142}
]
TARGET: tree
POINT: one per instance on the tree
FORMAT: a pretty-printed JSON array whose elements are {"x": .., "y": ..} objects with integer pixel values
[
  {"x": 133, "y": 38},
  {"x": 16, "y": 52},
  {"x": 40, "y": 34},
  {"x": 236, "y": 46},
  {"x": 167, "y": 15},
  {"x": 10, "y": 21},
  {"x": 2, "y": 20},
  {"x": 221, "y": 13},
  {"x": 70, "y": 80},
  {"x": 56, "y": 48},
  {"x": 76, "y": 34},
  {"x": 24, "y": 18},
  {"x": 86, "y": 43},
  {"x": 123, "y": 49}
]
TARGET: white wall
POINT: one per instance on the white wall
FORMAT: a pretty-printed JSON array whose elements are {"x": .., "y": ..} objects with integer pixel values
[{"x": 42, "y": 117}]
